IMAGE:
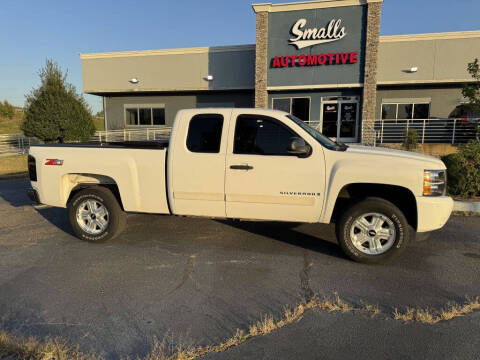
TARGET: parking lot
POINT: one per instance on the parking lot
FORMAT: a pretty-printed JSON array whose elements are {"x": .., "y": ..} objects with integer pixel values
[{"x": 198, "y": 280}]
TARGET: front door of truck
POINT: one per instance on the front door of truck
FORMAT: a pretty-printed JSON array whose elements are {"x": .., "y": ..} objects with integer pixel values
[
  {"x": 197, "y": 166},
  {"x": 263, "y": 180}
]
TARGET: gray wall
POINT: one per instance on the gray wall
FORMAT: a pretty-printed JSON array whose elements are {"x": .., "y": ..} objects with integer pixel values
[
  {"x": 173, "y": 103},
  {"x": 315, "y": 98},
  {"x": 279, "y": 33},
  {"x": 439, "y": 59},
  {"x": 232, "y": 68},
  {"x": 443, "y": 99}
]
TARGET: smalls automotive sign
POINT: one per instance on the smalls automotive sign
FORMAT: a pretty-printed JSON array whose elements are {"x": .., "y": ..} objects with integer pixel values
[
  {"x": 334, "y": 31},
  {"x": 309, "y": 37}
]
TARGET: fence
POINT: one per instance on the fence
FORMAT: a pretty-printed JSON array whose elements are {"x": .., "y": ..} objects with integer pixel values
[
  {"x": 155, "y": 134},
  {"x": 15, "y": 144},
  {"x": 436, "y": 131}
]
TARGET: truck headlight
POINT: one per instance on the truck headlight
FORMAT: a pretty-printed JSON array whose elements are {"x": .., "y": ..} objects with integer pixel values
[{"x": 434, "y": 182}]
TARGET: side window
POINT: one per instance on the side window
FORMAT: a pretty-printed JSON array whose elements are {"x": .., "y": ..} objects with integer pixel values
[
  {"x": 261, "y": 135},
  {"x": 205, "y": 133}
]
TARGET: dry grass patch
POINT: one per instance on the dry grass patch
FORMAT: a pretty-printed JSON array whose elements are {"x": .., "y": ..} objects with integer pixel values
[
  {"x": 428, "y": 316},
  {"x": 13, "y": 164},
  {"x": 16, "y": 348}
]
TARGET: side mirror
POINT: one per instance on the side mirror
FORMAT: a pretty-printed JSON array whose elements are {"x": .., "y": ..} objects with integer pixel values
[{"x": 299, "y": 147}]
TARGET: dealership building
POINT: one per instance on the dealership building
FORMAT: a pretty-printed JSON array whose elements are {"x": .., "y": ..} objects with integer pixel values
[{"x": 323, "y": 61}]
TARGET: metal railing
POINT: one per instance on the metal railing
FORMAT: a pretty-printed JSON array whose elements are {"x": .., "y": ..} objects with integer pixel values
[
  {"x": 149, "y": 134},
  {"x": 433, "y": 131},
  {"x": 15, "y": 144}
]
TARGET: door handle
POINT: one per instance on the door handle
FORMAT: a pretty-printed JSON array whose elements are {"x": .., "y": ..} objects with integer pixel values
[{"x": 241, "y": 167}]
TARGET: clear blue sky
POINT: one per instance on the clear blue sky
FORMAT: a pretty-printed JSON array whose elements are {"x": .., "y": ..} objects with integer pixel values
[{"x": 33, "y": 30}]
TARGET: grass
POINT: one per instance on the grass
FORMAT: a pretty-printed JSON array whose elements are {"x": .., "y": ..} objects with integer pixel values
[
  {"x": 11, "y": 126},
  {"x": 429, "y": 316},
  {"x": 10, "y": 165},
  {"x": 32, "y": 349}
]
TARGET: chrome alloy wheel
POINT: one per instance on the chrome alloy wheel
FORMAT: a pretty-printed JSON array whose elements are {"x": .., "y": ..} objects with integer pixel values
[
  {"x": 373, "y": 233},
  {"x": 92, "y": 217}
]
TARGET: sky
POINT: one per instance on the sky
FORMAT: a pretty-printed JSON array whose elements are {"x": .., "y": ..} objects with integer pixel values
[{"x": 34, "y": 30}]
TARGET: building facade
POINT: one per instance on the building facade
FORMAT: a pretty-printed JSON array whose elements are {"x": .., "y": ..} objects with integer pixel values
[{"x": 323, "y": 61}]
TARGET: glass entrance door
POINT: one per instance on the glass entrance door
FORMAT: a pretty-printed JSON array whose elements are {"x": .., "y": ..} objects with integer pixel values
[{"x": 340, "y": 120}]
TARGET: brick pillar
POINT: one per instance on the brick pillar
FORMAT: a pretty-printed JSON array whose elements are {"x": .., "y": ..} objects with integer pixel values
[
  {"x": 370, "y": 81},
  {"x": 261, "y": 61}
]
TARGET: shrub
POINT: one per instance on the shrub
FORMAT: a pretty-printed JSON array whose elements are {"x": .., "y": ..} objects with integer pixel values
[
  {"x": 410, "y": 141},
  {"x": 463, "y": 170},
  {"x": 6, "y": 109},
  {"x": 55, "y": 112}
]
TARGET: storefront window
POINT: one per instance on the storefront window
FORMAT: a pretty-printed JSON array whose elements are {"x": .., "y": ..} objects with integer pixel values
[
  {"x": 405, "y": 111},
  {"x": 297, "y": 106},
  {"x": 144, "y": 115}
]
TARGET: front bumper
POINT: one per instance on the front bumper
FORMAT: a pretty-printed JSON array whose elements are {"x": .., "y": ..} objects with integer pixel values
[
  {"x": 433, "y": 212},
  {"x": 33, "y": 195}
]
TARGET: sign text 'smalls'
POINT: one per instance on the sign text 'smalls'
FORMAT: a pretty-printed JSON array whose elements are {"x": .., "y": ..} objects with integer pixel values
[{"x": 340, "y": 58}]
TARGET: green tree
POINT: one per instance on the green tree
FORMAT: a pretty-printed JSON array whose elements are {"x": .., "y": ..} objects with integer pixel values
[
  {"x": 6, "y": 109},
  {"x": 55, "y": 112},
  {"x": 471, "y": 91}
]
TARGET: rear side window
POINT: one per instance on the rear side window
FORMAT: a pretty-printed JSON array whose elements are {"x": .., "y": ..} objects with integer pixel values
[
  {"x": 261, "y": 135},
  {"x": 205, "y": 133}
]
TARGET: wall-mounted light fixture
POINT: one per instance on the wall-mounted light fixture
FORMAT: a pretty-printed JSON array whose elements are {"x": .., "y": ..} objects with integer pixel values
[
  {"x": 413, "y": 69},
  {"x": 133, "y": 80},
  {"x": 209, "y": 78}
]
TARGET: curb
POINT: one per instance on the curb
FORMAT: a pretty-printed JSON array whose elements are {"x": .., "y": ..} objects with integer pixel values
[
  {"x": 14, "y": 176},
  {"x": 469, "y": 208}
]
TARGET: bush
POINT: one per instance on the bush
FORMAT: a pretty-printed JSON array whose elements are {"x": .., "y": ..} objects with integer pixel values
[
  {"x": 410, "y": 142},
  {"x": 55, "y": 112},
  {"x": 463, "y": 170},
  {"x": 6, "y": 109}
]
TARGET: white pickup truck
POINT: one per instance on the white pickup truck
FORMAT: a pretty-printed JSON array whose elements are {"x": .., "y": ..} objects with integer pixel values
[{"x": 247, "y": 164}]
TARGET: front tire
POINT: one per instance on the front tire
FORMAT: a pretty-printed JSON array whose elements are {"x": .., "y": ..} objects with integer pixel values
[
  {"x": 95, "y": 214},
  {"x": 373, "y": 230}
]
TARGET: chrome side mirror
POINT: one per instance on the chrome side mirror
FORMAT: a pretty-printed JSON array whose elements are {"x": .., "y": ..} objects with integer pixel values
[{"x": 299, "y": 147}]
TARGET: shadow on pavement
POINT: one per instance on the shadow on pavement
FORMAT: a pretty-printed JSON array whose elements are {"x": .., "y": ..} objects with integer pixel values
[
  {"x": 14, "y": 192},
  {"x": 286, "y": 232},
  {"x": 57, "y": 217}
]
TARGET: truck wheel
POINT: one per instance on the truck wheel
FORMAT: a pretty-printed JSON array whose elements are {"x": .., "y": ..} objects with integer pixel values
[
  {"x": 95, "y": 214},
  {"x": 373, "y": 230}
]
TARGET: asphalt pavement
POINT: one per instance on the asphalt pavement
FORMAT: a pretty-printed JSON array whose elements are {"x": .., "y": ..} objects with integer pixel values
[{"x": 197, "y": 280}]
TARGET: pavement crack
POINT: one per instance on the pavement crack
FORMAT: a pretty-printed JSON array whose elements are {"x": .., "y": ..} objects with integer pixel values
[{"x": 305, "y": 277}]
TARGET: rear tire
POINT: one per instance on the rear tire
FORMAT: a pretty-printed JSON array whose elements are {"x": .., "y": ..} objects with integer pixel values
[
  {"x": 373, "y": 230},
  {"x": 95, "y": 215}
]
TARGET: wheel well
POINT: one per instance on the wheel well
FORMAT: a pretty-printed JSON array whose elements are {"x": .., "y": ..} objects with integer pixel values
[
  {"x": 401, "y": 197},
  {"x": 112, "y": 187}
]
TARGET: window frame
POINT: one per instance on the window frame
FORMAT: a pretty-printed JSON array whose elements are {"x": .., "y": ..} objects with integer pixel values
[
  {"x": 258, "y": 117},
  {"x": 291, "y": 104},
  {"x": 221, "y": 133},
  {"x": 143, "y": 106},
  {"x": 412, "y": 102}
]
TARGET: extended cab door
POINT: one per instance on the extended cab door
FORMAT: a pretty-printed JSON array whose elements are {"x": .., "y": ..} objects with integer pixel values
[
  {"x": 196, "y": 165},
  {"x": 263, "y": 180}
]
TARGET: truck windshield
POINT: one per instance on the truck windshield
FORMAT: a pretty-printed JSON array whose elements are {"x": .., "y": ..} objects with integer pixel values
[{"x": 322, "y": 139}]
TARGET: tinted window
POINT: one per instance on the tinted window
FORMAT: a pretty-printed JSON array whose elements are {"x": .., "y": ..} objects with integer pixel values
[
  {"x": 301, "y": 108},
  {"x": 389, "y": 111},
  {"x": 261, "y": 136},
  {"x": 405, "y": 111},
  {"x": 158, "y": 116},
  {"x": 205, "y": 133},
  {"x": 132, "y": 116},
  {"x": 145, "y": 116},
  {"x": 421, "y": 111}
]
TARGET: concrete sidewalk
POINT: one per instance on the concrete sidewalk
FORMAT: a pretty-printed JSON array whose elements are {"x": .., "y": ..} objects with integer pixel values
[{"x": 467, "y": 207}]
